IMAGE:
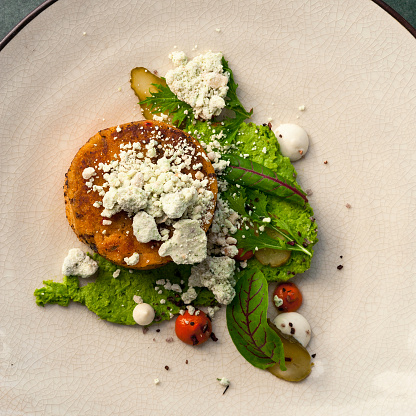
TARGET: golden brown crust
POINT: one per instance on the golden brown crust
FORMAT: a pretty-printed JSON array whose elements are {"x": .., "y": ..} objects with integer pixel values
[{"x": 86, "y": 220}]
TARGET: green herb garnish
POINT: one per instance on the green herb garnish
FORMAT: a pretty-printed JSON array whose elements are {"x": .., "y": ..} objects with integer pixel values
[
  {"x": 247, "y": 323},
  {"x": 250, "y": 174},
  {"x": 253, "y": 206},
  {"x": 165, "y": 101}
]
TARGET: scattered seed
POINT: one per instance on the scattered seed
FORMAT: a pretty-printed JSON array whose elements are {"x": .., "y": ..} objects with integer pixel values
[
  {"x": 340, "y": 267},
  {"x": 166, "y": 367},
  {"x": 213, "y": 337}
]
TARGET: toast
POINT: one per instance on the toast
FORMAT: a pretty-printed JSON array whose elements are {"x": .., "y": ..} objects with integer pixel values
[{"x": 117, "y": 241}]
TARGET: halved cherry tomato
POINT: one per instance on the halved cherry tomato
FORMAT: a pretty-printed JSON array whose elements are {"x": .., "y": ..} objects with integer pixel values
[
  {"x": 291, "y": 298},
  {"x": 193, "y": 329},
  {"x": 243, "y": 257}
]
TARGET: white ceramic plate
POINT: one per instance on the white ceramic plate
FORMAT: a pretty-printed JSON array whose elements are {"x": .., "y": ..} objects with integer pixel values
[{"x": 352, "y": 66}]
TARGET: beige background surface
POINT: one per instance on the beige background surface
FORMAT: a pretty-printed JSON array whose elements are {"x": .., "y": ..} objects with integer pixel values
[{"x": 352, "y": 66}]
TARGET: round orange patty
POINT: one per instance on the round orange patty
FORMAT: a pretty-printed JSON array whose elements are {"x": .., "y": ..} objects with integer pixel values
[{"x": 117, "y": 241}]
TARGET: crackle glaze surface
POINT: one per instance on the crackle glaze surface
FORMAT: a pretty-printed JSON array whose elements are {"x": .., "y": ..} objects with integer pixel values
[{"x": 352, "y": 66}]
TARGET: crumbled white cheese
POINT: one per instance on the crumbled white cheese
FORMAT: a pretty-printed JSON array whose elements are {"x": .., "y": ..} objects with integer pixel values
[
  {"x": 77, "y": 263},
  {"x": 156, "y": 381},
  {"x": 87, "y": 173},
  {"x": 201, "y": 82},
  {"x": 216, "y": 274},
  {"x": 224, "y": 381},
  {"x": 188, "y": 244},
  {"x": 277, "y": 301},
  {"x": 116, "y": 273},
  {"x": 178, "y": 58},
  {"x": 132, "y": 260},
  {"x": 175, "y": 204},
  {"x": 211, "y": 311},
  {"x": 137, "y": 299},
  {"x": 145, "y": 228},
  {"x": 189, "y": 295},
  {"x": 156, "y": 192},
  {"x": 225, "y": 223},
  {"x": 191, "y": 309}
]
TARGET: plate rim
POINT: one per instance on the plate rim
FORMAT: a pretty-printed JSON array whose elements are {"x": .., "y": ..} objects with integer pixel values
[{"x": 47, "y": 3}]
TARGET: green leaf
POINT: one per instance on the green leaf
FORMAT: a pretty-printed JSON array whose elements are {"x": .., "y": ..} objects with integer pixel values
[
  {"x": 249, "y": 241},
  {"x": 165, "y": 101},
  {"x": 232, "y": 125},
  {"x": 253, "y": 175},
  {"x": 247, "y": 323},
  {"x": 232, "y": 100},
  {"x": 252, "y": 205}
]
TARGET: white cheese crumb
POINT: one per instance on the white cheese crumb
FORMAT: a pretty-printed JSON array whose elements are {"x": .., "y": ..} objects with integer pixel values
[
  {"x": 156, "y": 381},
  {"x": 191, "y": 309},
  {"x": 162, "y": 301},
  {"x": 107, "y": 222},
  {"x": 188, "y": 244},
  {"x": 87, "y": 173},
  {"x": 211, "y": 311},
  {"x": 264, "y": 150},
  {"x": 137, "y": 299},
  {"x": 267, "y": 219},
  {"x": 145, "y": 228},
  {"x": 302, "y": 108},
  {"x": 132, "y": 260},
  {"x": 216, "y": 274},
  {"x": 277, "y": 301},
  {"x": 118, "y": 129},
  {"x": 224, "y": 381},
  {"x": 116, "y": 273},
  {"x": 201, "y": 83},
  {"x": 189, "y": 295},
  {"x": 77, "y": 263}
]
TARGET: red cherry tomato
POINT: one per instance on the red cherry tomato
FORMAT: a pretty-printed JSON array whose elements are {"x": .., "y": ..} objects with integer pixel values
[
  {"x": 193, "y": 329},
  {"x": 243, "y": 257},
  {"x": 291, "y": 298}
]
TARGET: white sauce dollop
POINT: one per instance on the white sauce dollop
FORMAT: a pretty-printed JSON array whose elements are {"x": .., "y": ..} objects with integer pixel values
[
  {"x": 294, "y": 141},
  {"x": 143, "y": 314},
  {"x": 294, "y": 324}
]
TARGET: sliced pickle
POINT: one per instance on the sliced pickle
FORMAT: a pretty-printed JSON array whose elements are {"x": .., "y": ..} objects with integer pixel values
[
  {"x": 141, "y": 82},
  {"x": 270, "y": 256},
  {"x": 297, "y": 359}
]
